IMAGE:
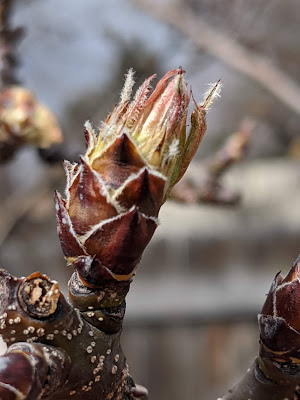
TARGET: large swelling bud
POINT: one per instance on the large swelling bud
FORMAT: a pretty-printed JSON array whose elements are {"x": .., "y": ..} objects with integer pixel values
[{"x": 113, "y": 197}]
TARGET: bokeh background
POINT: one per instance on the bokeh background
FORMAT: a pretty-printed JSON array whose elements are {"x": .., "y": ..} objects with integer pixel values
[{"x": 190, "y": 328}]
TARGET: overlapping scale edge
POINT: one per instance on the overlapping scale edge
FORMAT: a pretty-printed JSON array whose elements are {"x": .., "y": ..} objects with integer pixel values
[
  {"x": 287, "y": 297},
  {"x": 70, "y": 244},
  {"x": 160, "y": 87},
  {"x": 92, "y": 272},
  {"x": 114, "y": 124},
  {"x": 279, "y": 322},
  {"x": 89, "y": 200},
  {"x": 119, "y": 242},
  {"x": 277, "y": 335},
  {"x": 118, "y": 161},
  {"x": 90, "y": 138},
  {"x": 72, "y": 173},
  {"x": 196, "y": 133},
  {"x": 294, "y": 272},
  {"x": 288, "y": 303},
  {"x": 144, "y": 190},
  {"x": 270, "y": 302},
  {"x": 138, "y": 103}
]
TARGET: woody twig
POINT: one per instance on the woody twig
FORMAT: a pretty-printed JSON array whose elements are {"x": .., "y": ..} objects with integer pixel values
[
  {"x": 205, "y": 186},
  {"x": 219, "y": 44},
  {"x": 23, "y": 120}
]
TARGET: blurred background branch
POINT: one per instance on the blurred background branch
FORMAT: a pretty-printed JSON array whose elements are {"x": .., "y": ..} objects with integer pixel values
[
  {"x": 206, "y": 186},
  {"x": 217, "y": 43},
  {"x": 9, "y": 38}
]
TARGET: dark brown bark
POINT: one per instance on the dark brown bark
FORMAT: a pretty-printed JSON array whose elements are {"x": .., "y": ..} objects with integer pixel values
[{"x": 33, "y": 310}]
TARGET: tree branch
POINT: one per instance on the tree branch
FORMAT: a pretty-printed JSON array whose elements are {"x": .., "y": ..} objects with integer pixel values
[
  {"x": 23, "y": 120},
  {"x": 34, "y": 310},
  {"x": 226, "y": 49},
  {"x": 8, "y": 39},
  {"x": 205, "y": 185}
]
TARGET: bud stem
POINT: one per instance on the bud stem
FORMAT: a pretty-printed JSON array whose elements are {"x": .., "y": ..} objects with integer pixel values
[{"x": 274, "y": 383}]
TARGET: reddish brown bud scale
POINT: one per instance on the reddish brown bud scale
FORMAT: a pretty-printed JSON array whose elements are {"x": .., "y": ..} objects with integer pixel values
[
  {"x": 268, "y": 307},
  {"x": 289, "y": 310},
  {"x": 119, "y": 243},
  {"x": 91, "y": 271},
  {"x": 85, "y": 200},
  {"x": 280, "y": 319},
  {"x": 145, "y": 191},
  {"x": 71, "y": 246},
  {"x": 118, "y": 162}
]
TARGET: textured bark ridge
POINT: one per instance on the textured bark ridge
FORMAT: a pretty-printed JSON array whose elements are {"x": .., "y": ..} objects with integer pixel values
[
  {"x": 54, "y": 351},
  {"x": 275, "y": 373},
  {"x": 63, "y": 349}
]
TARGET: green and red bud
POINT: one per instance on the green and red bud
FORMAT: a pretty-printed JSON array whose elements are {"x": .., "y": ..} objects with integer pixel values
[{"x": 113, "y": 197}]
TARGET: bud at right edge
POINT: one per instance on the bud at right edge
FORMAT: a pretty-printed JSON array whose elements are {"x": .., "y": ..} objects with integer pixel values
[{"x": 279, "y": 322}]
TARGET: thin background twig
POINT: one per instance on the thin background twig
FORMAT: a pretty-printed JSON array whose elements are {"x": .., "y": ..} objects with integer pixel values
[{"x": 232, "y": 53}]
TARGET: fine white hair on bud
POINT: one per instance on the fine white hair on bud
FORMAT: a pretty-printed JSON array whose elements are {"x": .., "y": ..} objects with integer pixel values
[
  {"x": 128, "y": 85},
  {"x": 213, "y": 91},
  {"x": 173, "y": 148},
  {"x": 88, "y": 126},
  {"x": 91, "y": 137},
  {"x": 114, "y": 194}
]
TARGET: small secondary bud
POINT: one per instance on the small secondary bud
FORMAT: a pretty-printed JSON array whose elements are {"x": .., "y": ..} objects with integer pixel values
[{"x": 23, "y": 120}]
